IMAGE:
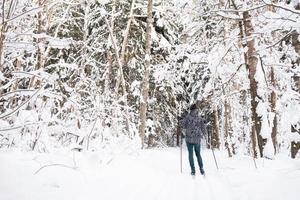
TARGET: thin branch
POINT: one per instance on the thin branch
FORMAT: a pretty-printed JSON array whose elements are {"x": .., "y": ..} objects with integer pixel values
[
  {"x": 56, "y": 32},
  {"x": 37, "y": 9},
  {"x": 113, "y": 40},
  {"x": 24, "y": 13},
  {"x": 89, "y": 135},
  {"x": 239, "y": 11},
  {"x": 24, "y": 125},
  {"x": 281, "y": 7},
  {"x": 280, "y": 40},
  {"x": 199, "y": 63},
  {"x": 279, "y": 64},
  {"x": 119, "y": 61},
  {"x": 20, "y": 55},
  {"x": 27, "y": 73},
  {"x": 233, "y": 75},
  {"x": 258, "y": 7},
  {"x": 227, "y": 82},
  {"x": 262, "y": 67},
  {"x": 3, "y": 13},
  {"x": 225, "y": 54},
  {"x": 16, "y": 91},
  {"x": 15, "y": 110},
  {"x": 229, "y": 17},
  {"x": 123, "y": 48},
  {"x": 10, "y": 8},
  {"x": 125, "y": 41},
  {"x": 280, "y": 18},
  {"x": 53, "y": 165}
]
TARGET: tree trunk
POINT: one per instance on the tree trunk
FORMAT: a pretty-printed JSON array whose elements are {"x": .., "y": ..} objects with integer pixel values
[
  {"x": 295, "y": 146},
  {"x": 120, "y": 58},
  {"x": 215, "y": 139},
  {"x": 2, "y": 38},
  {"x": 145, "y": 83},
  {"x": 120, "y": 76},
  {"x": 228, "y": 134},
  {"x": 252, "y": 61},
  {"x": 120, "y": 73},
  {"x": 273, "y": 109},
  {"x": 4, "y": 28},
  {"x": 243, "y": 97},
  {"x": 221, "y": 3},
  {"x": 40, "y": 59},
  {"x": 39, "y": 42},
  {"x": 273, "y": 98}
]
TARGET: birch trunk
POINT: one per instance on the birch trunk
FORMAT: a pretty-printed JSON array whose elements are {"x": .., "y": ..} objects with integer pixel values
[
  {"x": 4, "y": 27},
  {"x": 120, "y": 76},
  {"x": 216, "y": 132},
  {"x": 120, "y": 58},
  {"x": 228, "y": 135},
  {"x": 295, "y": 146},
  {"x": 2, "y": 36},
  {"x": 251, "y": 62},
  {"x": 245, "y": 94},
  {"x": 145, "y": 83},
  {"x": 273, "y": 99},
  {"x": 39, "y": 41}
]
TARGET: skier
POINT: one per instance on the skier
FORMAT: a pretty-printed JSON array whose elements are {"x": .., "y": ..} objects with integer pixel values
[{"x": 195, "y": 130}]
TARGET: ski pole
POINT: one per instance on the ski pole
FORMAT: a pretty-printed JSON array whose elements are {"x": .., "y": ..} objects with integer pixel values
[
  {"x": 180, "y": 152},
  {"x": 212, "y": 153},
  {"x": 212, "y": 149},
  {"x": 180, "y": 138}
]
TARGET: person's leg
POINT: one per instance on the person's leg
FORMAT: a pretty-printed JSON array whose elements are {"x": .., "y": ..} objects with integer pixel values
[
  {"x": 199, "y": 158},
  {"x": 191, "y": 158}
]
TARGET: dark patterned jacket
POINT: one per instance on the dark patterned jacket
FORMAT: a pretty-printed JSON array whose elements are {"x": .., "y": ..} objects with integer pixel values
[{"x": 195, "y": 127}]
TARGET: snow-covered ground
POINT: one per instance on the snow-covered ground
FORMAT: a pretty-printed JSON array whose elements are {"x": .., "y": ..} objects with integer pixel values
[{"x": 152, "y": 174}]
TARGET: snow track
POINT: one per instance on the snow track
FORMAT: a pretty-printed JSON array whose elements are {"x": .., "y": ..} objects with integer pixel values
[{"x": 147, "y": 175}]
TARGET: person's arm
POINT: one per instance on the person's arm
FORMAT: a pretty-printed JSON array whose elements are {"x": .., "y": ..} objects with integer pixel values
[
  {"x": 183, "y": 123},
  {"x": 203, "y": 128}
]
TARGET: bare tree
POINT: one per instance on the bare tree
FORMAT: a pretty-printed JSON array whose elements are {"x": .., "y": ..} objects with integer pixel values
[{"x": 120, "y": 57}]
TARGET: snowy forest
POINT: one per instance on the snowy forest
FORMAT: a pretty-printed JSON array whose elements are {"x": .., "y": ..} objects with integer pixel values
[{"x": 92, "y": 77}]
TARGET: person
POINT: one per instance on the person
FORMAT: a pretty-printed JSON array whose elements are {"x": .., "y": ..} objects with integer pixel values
[{"x": 195, "y": 130}]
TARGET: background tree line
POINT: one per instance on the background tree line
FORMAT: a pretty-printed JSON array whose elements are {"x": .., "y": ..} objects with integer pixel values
[{"x": 83, "y": 72}]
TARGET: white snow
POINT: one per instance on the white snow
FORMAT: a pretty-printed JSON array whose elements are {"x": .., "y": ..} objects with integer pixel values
[
  {"x": 147, "y": 57},
  {"x": 103, "y": 2},
  {"x": 164, "y": 43},
  {"x": 294, "y": 136},
  {"x": 134, "y": 88},
  {"x": 2, "y": 78},
  {"x": 160, "y": 22},
  {"x": 59, "y": 43},
  {"x": 130, "y": 173}
]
